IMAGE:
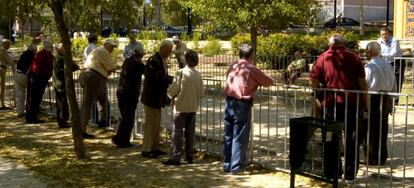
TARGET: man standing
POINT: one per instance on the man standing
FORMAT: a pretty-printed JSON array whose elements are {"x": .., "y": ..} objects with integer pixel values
[
  {"x": 341, "y": 69},
  {"x": 5, "y": 61},
  {"x": 380, "y": 77},
  {"x": 98, "y": 66},
  {"x": 38, "y": 76},
  {"x": 59, "y": 86},
  {"x": 243, "y": 79},
  {"x": 20, "y": 77},
  {"x": 179, "y": 51},
  {"x": 133, "y": 44},
  {"x": 154, "y": 97},
  {"x": 129, "y": 89},
  {"x": 187, "y": 90},
  {"x": 390, "y": 49}
]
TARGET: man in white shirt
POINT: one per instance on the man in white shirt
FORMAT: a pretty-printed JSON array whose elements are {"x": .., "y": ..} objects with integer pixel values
[
  {"x": 5, "y": 61},
  {"x": 390, "y": 49},
  {"x": 380, "y": 77}
]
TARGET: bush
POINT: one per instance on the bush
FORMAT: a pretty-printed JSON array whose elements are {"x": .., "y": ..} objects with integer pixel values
[
  {"x": 78, "y": 46},
  {"x": 23, "y": 42},
  {"x": 196, "y": 41},
  {"x": 213, "y": 47}
]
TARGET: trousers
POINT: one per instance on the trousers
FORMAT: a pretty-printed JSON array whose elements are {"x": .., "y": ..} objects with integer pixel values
[
  {"x": 20, "y": 85},
  {"x": 183, "y": 123}
]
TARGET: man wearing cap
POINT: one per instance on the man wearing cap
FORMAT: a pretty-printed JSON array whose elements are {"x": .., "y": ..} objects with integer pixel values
[
  {"x": 243, "y": 79},
  {"x": 98, "y": 66},
  {"x": 39, "y": 73},
  {"x": 154, "y": 97},
  {"x": 129, "y": 49},
  {"x": 179, "y": 51},
  {"x": 62, "y": 109},
  {"x": 128, "y": 92},
  {"x": 20, "y": 77},
  {"x": 5, "y": 61}
]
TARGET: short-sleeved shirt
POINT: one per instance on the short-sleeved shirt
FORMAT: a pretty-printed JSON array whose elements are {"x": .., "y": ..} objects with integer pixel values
[
  {"x": 390, "y": 49},
  {"x": 101, "y": 61},
  {"x": 340, "y": 69},
  {"x": 380, "y": 75}
]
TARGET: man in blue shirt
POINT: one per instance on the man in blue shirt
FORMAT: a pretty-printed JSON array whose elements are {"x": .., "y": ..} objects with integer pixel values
[{"x": 390, "y": 49}]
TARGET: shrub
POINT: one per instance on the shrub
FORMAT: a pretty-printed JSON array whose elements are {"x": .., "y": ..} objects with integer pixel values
[
  {"x": 184, "y": 37},
  {"x": 213, "y": 47},
  {"x": 78, "y": 46},
  {"x": 23, "y": 42},
  {"x": 237, "y": 40},
  {"x": 196, "y": 41}
]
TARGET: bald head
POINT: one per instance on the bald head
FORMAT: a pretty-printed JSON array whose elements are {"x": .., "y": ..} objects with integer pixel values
[
  {"x": 373, "y": 49},
  {"x": 336, "y": 40}
]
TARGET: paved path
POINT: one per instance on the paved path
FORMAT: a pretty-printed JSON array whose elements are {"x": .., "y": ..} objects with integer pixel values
[{"x": 16, "y": 175}]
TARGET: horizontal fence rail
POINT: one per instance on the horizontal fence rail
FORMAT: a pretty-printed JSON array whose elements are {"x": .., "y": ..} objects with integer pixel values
[{"x": 272, "y": 109}]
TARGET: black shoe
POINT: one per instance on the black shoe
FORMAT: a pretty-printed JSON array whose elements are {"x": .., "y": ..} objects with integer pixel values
[
  {"x": 5, "y": 108},
  {"x": 148, "y": 154},
  {"x": 159, "y": 152},
  {"x": 123, "y": 145},
  {"x": 64, "y": 126},
  {"x": 88, "y": 136},
  {"x": 171, "y": 162},
  {"x": 190, "y": 160},
  {"x": 35, "y": 121},
  {"x": 21, "y": 115}
]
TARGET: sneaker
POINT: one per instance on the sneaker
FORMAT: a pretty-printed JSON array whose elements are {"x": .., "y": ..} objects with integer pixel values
[
  {"x": 88, "y": 136},
  {"x": 159, "y": 152},
  {"x": 171, "y": 162},
  {"x": 21, "y": 115},
  {"x": 240, "y": 173},
  {"x": 350, "y": 182}
]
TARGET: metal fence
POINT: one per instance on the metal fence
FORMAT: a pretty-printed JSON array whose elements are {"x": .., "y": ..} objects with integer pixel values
[{"x": 273, "y": 107}]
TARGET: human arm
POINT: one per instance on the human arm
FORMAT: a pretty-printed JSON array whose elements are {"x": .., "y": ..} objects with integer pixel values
[
  {"x": 261, "y": 78},
  {"x": 174, "y": 88}
]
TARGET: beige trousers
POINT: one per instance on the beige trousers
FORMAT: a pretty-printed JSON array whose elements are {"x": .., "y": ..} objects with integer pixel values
[
  {"x": 151, "y": 129},
  {"x": 2, "y": 86}
]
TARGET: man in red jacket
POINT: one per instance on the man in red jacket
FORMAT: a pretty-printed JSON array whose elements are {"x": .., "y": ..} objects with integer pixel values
[{"x": 40, "y": 72}]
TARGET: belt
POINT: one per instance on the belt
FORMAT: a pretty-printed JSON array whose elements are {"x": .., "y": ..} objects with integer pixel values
[
  {"x": 248, "y": 101},
  {"x": 95, "y": 71}
]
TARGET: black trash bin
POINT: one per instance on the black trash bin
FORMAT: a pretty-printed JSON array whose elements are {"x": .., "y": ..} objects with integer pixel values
[{"x": 314, "y": 149}]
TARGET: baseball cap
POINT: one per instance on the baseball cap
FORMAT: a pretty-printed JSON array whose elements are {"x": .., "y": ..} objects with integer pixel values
[{"x": 111, "y": 42}]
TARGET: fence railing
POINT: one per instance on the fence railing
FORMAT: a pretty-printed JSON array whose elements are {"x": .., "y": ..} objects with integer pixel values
[{"x": 273, "y": 107}]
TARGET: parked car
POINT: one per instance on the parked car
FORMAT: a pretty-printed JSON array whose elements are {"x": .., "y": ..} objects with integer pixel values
[
  {"x": 341, "y": 22},
  {"x": 173, "y": 30},
  {"x": 106, "y": 32},
  {"x": 122, "y": 31}
]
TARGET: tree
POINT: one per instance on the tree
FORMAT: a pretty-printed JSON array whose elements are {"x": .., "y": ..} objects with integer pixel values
[
  {"x": 249, "y": 15},
  {"x": 361, "y": 18}
]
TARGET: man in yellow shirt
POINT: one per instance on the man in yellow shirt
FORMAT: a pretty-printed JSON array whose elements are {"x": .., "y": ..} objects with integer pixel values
[{"x": 98, "y": 67}]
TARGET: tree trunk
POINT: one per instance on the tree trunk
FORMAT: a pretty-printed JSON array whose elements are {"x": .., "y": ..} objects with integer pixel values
[
  {"x": 57, "y": 8},
  {"x": 361, "y": 18},
  {"x": 253, "y": 38}
]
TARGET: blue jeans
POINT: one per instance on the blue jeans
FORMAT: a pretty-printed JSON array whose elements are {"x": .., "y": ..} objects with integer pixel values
[{"x": 237, "y": 116}]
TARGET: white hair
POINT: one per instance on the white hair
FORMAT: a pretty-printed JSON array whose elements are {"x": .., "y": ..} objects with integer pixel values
[
  {"x": 336, "y": 39},
  {"x": 166, "y": 42},
  {"x": 374, "y": 48}
]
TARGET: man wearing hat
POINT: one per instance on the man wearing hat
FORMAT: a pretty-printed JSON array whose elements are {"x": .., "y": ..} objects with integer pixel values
[
  {"x": 98, "y": 66},
  {"x": 129, "y": 49},
  {"x": 128, "y": 92},
  {"x": 39, "y": 73},
  {"x": 179, "y": 51},
  {"x": 5, "y": 61}
]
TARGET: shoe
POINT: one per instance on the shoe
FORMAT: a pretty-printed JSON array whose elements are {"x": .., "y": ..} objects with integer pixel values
[
  {"x": 240, "y": 172},
  {"x": 190, "y": 160},
  {"x": 5, "y": 108},
  {"x": 171, "y": 162},
  {"x": 35, "y": 121},
  {"x": 88, "y": 136},
  {"x": 226, "y": 171},
  {"x": 119, "y": 145},
  {"x": 350, "y": 182},
  {"x": 159, "y": 152},
  {"x": 148, "y": 154}
]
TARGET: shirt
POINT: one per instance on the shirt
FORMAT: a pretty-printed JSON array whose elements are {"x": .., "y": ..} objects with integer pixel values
[
  {"x": 338, "y": 68},
  {"x": 187, "y": 88},
  {"x": 5, "y": 59},
  {"x": 243, "y": 79},
  {"x": 380, "y": 76},
  {"x": 128, "y": 50},
  {"x": 43, "y": 64},
  {"x": 390, "y": 49},
  {"x": 89, "y": 49},
  {"x": 100, "y": 60},
  {"x": 297, "y": 64},
  {"x": 25, "y": 61},
  {"x": 131, "y": 76}
]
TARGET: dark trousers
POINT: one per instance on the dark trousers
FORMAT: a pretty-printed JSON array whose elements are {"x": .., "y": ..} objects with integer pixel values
[
  {"x": 127, "y": 103},
  {"x": 35, "y": 89},
  {"x": 378, "y": 131},
  {"x": 62, "y": 109},
  {"x": 351, "y": 163},
  {"x": 97, "y": 114},
  {"x": 237, "y": 117},
  {"x": 182, "y": 121},
  {"x": 399, "y": 69}
]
